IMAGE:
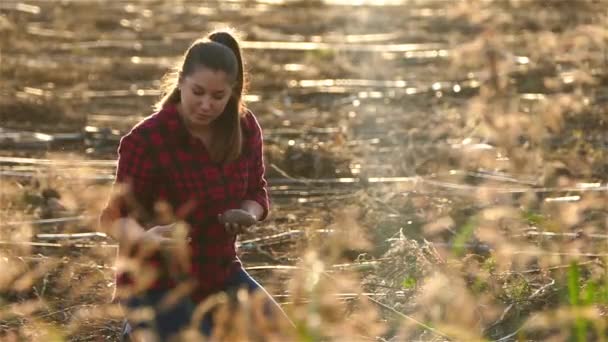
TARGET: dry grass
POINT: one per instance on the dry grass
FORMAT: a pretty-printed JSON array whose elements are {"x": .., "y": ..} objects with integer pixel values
[{"x": 496, "y": 230}]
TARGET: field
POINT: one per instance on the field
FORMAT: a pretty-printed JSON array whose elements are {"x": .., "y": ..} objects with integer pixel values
[{"x": 438, "y": 169}]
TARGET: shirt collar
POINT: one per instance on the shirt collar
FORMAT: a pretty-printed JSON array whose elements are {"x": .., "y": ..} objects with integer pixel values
[{"x": 175, "y": 125}]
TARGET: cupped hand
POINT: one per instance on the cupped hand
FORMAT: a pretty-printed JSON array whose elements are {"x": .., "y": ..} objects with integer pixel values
[
  {"x": 236, "y": 221},
  {"x": 162, "y": 234}
]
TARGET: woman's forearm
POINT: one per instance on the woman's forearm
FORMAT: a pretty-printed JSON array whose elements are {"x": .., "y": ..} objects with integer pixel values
[
  {"x": 108, "y": 217},
  {"x": 117, "y": 227}
]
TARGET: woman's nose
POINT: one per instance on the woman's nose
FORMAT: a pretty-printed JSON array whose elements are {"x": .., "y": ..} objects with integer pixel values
[{"x": 205, "y": 103}]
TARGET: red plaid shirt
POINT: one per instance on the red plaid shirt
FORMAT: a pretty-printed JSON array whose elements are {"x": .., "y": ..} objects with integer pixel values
[{"x": 161, "y": 160}]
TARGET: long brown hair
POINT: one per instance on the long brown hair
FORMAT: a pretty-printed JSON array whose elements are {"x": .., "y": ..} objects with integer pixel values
[{"x": 219, "y": 51}]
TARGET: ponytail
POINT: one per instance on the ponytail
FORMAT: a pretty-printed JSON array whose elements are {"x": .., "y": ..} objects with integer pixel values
[
  {"x": 229, "y": 131},
  {"x": 228, "y": 39}
]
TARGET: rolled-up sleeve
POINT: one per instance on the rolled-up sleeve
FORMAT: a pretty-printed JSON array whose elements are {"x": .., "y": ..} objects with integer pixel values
[
  {"x": 137, "y": 170},
  {"x": 256, "y": 189}
]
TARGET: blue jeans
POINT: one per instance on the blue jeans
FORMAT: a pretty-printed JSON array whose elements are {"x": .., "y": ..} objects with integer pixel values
[{"x": 172, "y": 320}]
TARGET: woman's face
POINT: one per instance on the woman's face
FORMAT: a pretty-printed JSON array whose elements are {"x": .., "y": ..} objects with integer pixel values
[{"x": 204, "y": 95}]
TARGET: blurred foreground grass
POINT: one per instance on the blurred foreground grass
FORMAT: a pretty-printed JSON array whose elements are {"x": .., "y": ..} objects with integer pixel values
[{"x": 502, "y": 237}]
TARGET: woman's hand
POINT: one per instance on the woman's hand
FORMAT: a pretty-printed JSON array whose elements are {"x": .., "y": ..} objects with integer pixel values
[
  {"x": 133, "y": 238},
  {"x": 161, "y": 234},
  {"x": 236, "y": 220}
]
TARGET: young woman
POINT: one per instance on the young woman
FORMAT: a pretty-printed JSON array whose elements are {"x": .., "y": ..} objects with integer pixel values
[{"x": 200, "y": 154}]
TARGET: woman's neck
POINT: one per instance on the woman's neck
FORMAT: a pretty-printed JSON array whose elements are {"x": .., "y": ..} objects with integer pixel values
[{"x": 203, "y": 133}]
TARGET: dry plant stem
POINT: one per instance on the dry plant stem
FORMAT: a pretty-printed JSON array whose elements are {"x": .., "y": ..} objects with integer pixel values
[
  {"x": 279, "y": 238},
  {"x": 537, "y": 270},
  {"x": 57, "y": 245},
  {"x": 286, "y": 175},
  {"x": 46, "y": 221},
  {"x": 400, "y": 314},
  {"x": 569, "y": 235},
  {"x": 412, "y": 319},
  {"x": 511, "y": 335},
  {"x": 504, "y": 314}
]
